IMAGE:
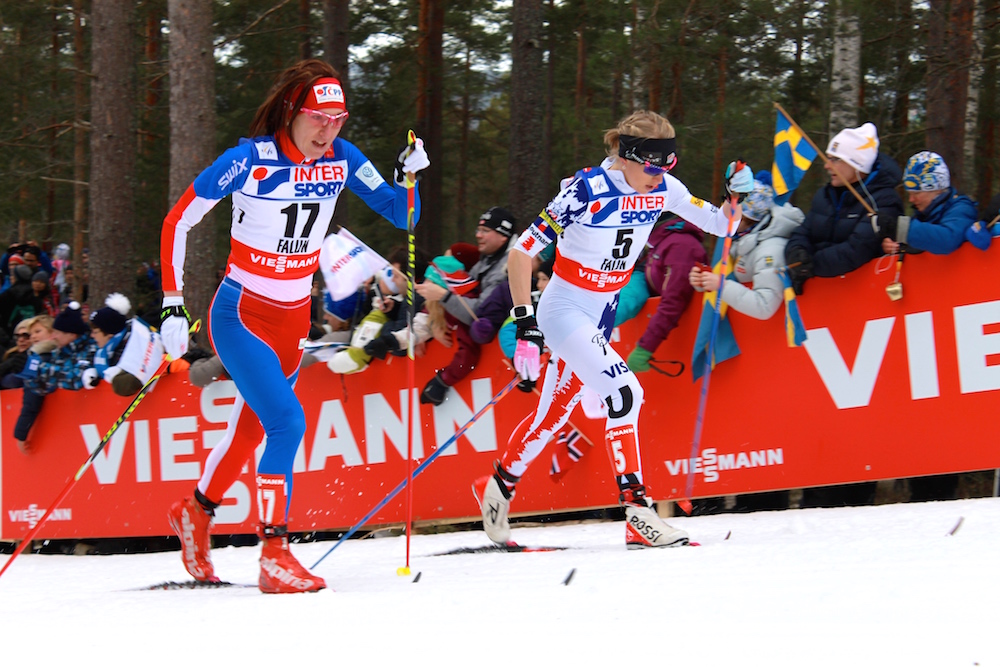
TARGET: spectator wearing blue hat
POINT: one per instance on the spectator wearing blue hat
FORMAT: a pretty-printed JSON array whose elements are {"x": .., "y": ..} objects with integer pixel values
[
  {"x": 942, "y": 215},
  {"x": 758, "y": 253}
]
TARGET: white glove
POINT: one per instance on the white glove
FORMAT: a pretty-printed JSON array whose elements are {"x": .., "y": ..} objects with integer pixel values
[
  {"x": 739, "y": 181},
  {"x": 175, "y": 329},
  {"x": 411, "y": 160},
  {"x": 90, "y": 378}
]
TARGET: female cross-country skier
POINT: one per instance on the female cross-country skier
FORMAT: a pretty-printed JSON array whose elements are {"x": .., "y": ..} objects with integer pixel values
[
  {"x": 602, "y": 219},
  {"x": 284, "y": 183}
]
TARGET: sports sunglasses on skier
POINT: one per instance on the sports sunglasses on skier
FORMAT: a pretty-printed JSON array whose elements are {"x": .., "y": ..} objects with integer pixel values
[
  {"x": 323, "y": 119},
  {"x": 657, "y": 156}
]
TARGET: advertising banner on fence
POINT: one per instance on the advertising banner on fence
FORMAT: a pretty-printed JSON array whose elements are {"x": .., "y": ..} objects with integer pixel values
[{"x": 881, "y": 389}]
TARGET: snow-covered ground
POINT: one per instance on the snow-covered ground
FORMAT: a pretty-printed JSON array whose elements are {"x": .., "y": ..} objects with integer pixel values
[{"x": 883, "y": 585}]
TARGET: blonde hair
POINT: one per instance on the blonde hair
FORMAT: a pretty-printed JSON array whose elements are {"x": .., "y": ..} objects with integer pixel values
[
  {"x": 647, "y": 124},
  {"x": 44, "y": 320}
]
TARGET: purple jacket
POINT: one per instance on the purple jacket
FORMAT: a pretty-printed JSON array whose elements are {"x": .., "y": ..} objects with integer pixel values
[{"x": 672, "y": 251}]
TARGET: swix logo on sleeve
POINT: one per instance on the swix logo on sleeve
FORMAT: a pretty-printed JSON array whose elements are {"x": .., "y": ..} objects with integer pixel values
[{"x": 235, "y": 170}]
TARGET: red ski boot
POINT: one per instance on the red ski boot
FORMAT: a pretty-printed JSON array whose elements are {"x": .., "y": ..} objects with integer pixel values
[
  {"x": 279, "y": 571},
  {"x": 193, "y": 523}
]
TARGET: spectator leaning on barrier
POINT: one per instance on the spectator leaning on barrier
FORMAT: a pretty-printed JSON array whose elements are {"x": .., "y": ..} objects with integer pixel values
[
  {"x": 110, "y": 330},
  {"x": 759, "y": 252},
  {"x": 15, "y": 358},
  {"x": 672, "y": 251},
  {"x": 942, "y": 215},
  {"x": 836, "y": 236},
  {"x": 62, "y": 370},
  {"x": 493, "y": 234}
]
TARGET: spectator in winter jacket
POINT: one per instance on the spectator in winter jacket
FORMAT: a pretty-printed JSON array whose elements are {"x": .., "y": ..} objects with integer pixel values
[
  {"x": 673, "y": 249},
  {"x": 493, "y": 234},
  {"x": 109, "y": 327},
  {"x": 837, "y": 235},
  {"x": 63, "y": 369},
  {"x": 389, "y": 309},
  {"x": 942, "y": 215},
  {"x": 15, "y": 358},
  {"x": 19, "y": 301},
  {"x": 758, "y": 252},
  {"x": 981, "y": 233}
]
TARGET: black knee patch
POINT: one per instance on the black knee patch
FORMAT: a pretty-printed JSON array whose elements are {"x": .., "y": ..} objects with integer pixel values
[{"x": 626, "y": 394}]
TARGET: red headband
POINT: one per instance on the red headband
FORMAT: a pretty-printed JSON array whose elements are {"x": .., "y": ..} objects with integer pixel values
[{"x": 327, "y": 93}]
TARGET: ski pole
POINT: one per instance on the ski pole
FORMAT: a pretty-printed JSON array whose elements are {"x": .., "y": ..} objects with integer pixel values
[
  {"x": 699, "y": 422},
  {"x": 411, "y": 189},
  {"x": 86, "y": 464},
  {"x": 420, "y": 468}
]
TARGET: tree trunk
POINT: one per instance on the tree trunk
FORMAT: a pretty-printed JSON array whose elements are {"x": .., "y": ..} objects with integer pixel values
[
  {"x": 986, "y": 146},
  {"x": 580, "y": 92},
  {"x": 305, "y": 45},
  {"x": 527, "y": 192},
  {"x": 845, "y": 78},
  {"x": 336, "y": 48},
  {"x": 192, "y": 136},
  {"x": 430, "y": 55},
  {"x": 112, "y": 150},
  {"x": 949, "y": 43},
  {"x": 720, "y": 115},
  {"x": 79, "y": 148}
]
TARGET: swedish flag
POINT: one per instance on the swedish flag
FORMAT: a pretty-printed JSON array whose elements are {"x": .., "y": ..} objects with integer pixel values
[
  {"x": 724, "y": 347},
  {"x": 792, "y": 157},
  {"x": 795, "y": 329}
]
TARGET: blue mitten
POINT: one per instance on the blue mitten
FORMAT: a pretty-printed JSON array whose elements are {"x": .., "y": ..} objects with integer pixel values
[{"x": 979, "y": 236}]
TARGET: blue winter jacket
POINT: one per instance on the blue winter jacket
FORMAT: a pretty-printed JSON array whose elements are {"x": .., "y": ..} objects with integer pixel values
[
  {"x": 940, "y": 228},
  {"x": 837, "y": 232}
]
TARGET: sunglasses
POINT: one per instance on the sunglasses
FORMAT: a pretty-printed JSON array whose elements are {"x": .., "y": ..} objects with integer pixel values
[
  {"x": 324, "y": 119},
  {"x": 22, "y": 336}
]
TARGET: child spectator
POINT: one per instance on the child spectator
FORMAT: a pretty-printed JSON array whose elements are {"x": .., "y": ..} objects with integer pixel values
[
  {"x": 942, "y": 215},
  {"x": 63, "y": 369}
]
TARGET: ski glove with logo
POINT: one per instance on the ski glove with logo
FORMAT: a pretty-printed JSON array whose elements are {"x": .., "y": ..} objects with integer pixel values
[
  {"x": 175, "y": 326},
  {"x": 739, "y": 182},
  {"x": 527, "y": 354},
  {"x": 411, "y": 160}
]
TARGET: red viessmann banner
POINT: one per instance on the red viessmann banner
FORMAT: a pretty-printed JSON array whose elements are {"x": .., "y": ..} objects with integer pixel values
[{"x": 882, "y": 389}]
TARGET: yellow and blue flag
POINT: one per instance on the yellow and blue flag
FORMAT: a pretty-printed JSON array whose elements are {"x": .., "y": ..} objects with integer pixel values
[
  {"x": 795, "y": 329},
  {"x": 792, "y": 157},
  {"x": 725, "y": 346}
]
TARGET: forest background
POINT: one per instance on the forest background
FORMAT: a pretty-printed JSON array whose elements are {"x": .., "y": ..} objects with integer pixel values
[{"x": 114, "y": 106}]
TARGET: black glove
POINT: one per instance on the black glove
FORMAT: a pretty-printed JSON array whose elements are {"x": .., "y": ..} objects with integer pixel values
[
  {"x": 891, "y": 227},
  {"x": 800, "y": 267},
  {"x": 884, "y": 225}
]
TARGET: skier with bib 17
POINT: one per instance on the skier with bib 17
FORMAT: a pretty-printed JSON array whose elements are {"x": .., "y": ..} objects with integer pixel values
[
  {"x": 602, "y": 219},
  {"x": 284, "y": 183}
]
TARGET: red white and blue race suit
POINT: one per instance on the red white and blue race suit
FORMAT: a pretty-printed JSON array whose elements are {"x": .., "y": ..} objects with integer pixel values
[
  {"x": 282, "y": 207},
  {"x": 602, "y": 224}
]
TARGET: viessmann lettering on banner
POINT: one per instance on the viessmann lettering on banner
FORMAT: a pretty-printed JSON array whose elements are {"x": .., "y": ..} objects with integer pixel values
[{"x": 932, "y": 360}]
